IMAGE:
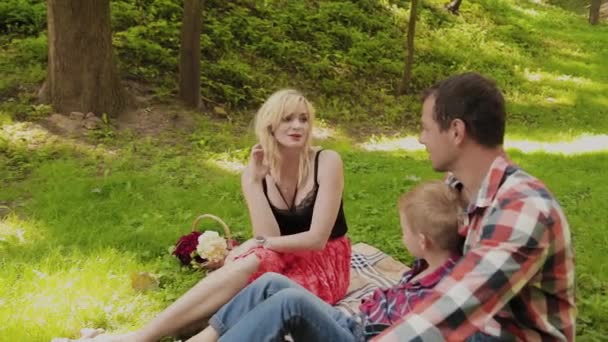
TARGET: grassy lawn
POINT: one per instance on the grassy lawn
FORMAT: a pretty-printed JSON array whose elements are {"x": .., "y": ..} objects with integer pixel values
[{"x": 86, "y": 218}]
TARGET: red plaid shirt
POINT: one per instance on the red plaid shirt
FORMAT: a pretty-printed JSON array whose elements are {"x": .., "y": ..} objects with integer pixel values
[
  {"x": 516, "y": 278},
  {"x": 384, "y": 307}
]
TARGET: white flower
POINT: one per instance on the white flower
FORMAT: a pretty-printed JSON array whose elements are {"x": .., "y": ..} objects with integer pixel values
[{"x": 212, "y": 246}]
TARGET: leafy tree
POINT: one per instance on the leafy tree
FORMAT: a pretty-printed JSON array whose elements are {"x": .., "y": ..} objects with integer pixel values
[
  {"x": 454, "y": 6},
  {"x": 594, "y": 12},
  {"x": 81, "y": 74},
  {"x": 405, "y": 86},
  {"x": 190, "y": 53}
]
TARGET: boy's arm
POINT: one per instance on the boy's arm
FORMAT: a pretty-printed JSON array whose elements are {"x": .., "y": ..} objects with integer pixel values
[{"x": 513, "y": 246}]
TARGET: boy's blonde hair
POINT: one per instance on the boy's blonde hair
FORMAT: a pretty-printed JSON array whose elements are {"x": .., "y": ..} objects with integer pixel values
[
  {"x": 267, "y": 120},
  {"x": 434, "y": 209}
]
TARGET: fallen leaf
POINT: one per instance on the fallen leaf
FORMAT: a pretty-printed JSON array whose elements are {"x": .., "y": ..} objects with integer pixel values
[{"x": 143, "y": 281}]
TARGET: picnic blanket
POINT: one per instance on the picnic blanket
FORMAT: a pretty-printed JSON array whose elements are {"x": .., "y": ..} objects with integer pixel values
[{"x": 370, "y": 268}]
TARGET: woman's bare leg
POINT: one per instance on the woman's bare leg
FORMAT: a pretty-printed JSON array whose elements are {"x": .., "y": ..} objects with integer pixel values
[
  {"x": 191, "y": 329},
  {"x": 201, "y": 301},
  {"x": 207, "y": 335}
]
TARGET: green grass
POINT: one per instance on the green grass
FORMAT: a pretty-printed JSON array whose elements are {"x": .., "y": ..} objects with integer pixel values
[
  {"x": 576, "y": 6},
  {"x": 84, "y": 220}
]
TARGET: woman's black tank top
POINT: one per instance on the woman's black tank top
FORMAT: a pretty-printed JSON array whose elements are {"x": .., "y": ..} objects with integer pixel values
[{"x": 298, "y": 219}]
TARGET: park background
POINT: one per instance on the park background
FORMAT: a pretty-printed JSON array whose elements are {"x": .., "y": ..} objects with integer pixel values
[{"x": 87, "y": 201}]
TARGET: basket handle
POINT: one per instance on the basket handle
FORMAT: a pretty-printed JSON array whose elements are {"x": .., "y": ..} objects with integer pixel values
[{"x": 215, "y": 218}]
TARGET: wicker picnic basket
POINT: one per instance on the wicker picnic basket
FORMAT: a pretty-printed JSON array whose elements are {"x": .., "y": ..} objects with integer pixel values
[
  {"x": 186, "y": 247},
  {"x": 227, "y": 236}
]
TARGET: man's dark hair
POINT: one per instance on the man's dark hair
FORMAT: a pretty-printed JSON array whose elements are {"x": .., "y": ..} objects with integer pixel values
[{"x": 476, "y": 101}]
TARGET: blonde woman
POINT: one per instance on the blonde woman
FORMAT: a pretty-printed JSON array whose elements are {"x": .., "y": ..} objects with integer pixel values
[{"x": 294, "y": 196}]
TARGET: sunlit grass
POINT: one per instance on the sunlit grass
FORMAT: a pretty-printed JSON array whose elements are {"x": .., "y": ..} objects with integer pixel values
[
  {"x": 580, "y": 145},
  {"x": 16, "y": 231},
  {"x": 233, "y": 162},
  {"x": 409, "y": 143},
  {"x": 571, "y": 145},
  {"x": 65, "y": 290},
  {"x": 569, "y": 79},
  {"x": 85, "y": 230},
  {"x": 34, "y": 136}
]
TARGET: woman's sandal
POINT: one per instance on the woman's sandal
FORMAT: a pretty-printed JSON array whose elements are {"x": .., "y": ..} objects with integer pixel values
[
  {"x": 90, "y": 332},
  {"x": 86, "y": 334}
]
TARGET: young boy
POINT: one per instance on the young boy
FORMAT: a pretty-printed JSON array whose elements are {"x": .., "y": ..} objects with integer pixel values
[
  {"x": 273, "y": 305},
  {"x": 430, "y": 217}
]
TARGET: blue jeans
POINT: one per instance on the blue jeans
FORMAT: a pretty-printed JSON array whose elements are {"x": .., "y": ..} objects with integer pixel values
[{"x": 274, "y": 306}]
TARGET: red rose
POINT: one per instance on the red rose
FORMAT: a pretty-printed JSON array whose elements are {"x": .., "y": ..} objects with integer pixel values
[
  {"x": 185, "y": 246},
  {"x": 232, "y": 243}
]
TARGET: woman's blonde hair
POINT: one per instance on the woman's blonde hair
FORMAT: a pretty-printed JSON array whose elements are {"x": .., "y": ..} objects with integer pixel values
[
  {"x": 267, "y": 120},
  {"x": 436, "y": 210}
]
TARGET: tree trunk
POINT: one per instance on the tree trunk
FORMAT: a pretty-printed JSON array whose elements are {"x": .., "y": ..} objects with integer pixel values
[
  {"x": 81, "y": 75},
  {"x": 454, "y": 6},
  {"x": 594, "y": 12},
  {"x": 190, "y": 54},
  {"x": 409, "y": 56}
]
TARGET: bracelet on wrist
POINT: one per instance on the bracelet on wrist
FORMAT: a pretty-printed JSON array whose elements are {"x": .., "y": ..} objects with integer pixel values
[{"x": 261, "y": 241}]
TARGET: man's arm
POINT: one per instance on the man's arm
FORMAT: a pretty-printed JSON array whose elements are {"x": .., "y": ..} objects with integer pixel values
[{"x": 513, "y": 246}]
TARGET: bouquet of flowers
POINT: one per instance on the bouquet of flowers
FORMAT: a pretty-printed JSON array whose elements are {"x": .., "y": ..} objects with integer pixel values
[{"x": 204, "y": 249}]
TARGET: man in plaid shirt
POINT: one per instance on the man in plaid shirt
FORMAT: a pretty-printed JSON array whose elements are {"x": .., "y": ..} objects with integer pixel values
[{"x": 515, "y": 280}]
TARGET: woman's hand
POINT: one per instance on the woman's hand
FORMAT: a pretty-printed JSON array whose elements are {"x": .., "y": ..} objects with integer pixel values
[
  {"x": 262, "y": 219},
  {"x": 241, "y": 249},
  {"x": 256, "y": 169}
]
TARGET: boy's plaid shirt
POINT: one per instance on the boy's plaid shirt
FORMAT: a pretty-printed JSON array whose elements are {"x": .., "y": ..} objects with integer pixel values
[
  {"x": 516, "y": 278},
  {"x": 385, "y": 306}
]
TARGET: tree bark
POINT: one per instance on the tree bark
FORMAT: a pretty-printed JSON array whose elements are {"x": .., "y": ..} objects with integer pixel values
[
  {"x": 81, "y": 74},
  {"x": 454, "y": 6},
  {"x": 405, "y": 87},
  {"x": 190, "y": 54},
  {"x": 594, "y": 12}
]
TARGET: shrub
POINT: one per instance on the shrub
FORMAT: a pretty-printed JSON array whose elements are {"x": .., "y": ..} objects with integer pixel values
[{"x": 22, "y": 16}]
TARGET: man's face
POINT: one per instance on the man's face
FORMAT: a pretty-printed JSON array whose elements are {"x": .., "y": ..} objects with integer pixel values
[{"x": 438, "y": 144}]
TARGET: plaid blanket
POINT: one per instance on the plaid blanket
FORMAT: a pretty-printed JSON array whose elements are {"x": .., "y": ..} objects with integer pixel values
[{"x": 369, "y": 268}]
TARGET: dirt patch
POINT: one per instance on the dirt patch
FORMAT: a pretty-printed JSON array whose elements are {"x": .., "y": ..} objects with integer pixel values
[
  {"x": 145, "y": 117},
  {"x": 65, "y": 126},
  {"x": 149, "y": 121},
  {"x": 155, "y": 120}
]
